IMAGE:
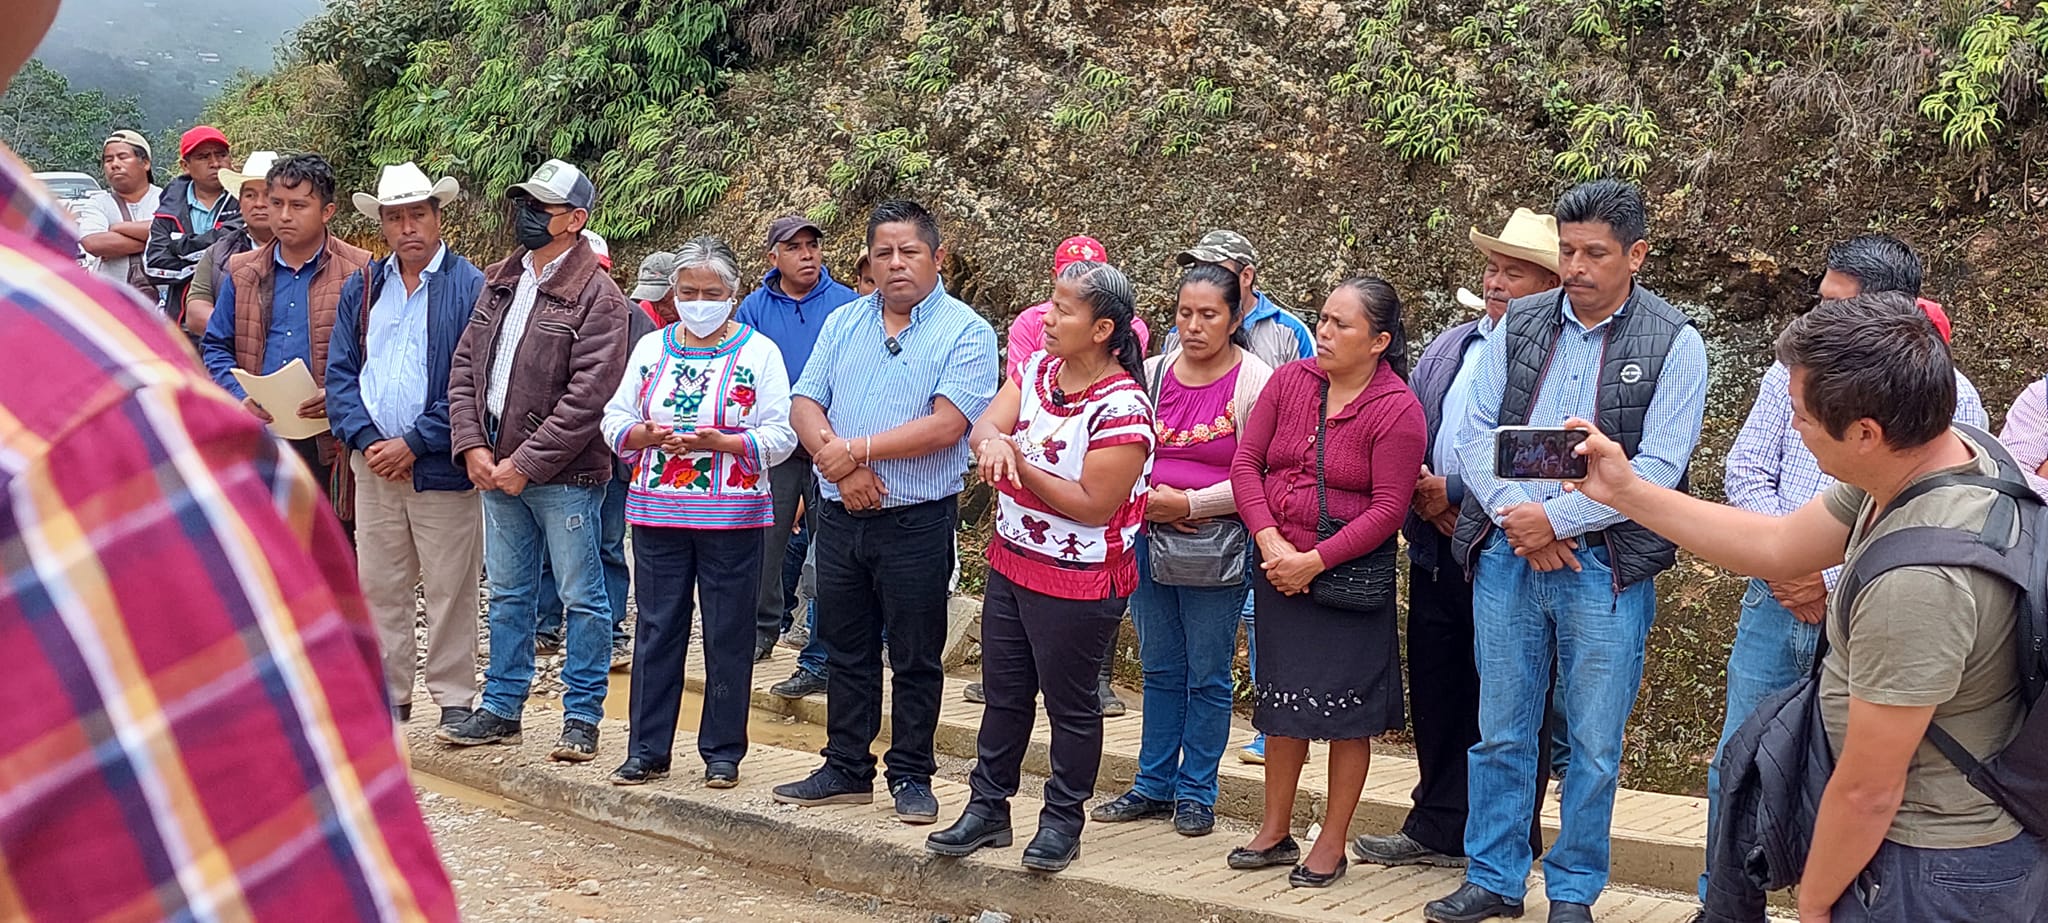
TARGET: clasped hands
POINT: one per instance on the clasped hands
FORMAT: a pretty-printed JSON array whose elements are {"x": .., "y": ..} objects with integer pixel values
[
  {"x": 860, "y": 488},
  {"x": 1289, "y": 569}
]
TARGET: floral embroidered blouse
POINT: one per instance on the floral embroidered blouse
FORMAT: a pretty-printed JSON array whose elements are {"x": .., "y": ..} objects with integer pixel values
[{"x": 739, "y": 387}]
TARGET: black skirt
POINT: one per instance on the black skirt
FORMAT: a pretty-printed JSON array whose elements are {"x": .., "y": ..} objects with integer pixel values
[{"x": 1323, "y": 673}]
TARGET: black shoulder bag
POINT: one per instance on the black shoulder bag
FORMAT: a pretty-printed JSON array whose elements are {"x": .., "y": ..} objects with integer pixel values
[{"x": 1364, "y": 584}]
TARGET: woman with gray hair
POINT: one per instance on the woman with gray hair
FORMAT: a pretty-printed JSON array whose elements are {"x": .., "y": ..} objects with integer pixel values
[
  {"x": 1066, "y": 444},
  {"x": 701, "y": 414}
]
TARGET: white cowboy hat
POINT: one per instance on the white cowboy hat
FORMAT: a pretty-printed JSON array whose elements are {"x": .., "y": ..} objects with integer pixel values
[
  {"x": 404, "y": 184},
  {"x": 1527, "y": 236},
  {"x": 254, "y": 170}
]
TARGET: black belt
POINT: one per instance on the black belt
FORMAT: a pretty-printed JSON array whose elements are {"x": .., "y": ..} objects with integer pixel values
[{"x": 1593, "y": 539}]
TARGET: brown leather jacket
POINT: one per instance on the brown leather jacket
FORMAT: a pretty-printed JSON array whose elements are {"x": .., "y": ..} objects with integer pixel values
[{"x": 570, "y": 359}]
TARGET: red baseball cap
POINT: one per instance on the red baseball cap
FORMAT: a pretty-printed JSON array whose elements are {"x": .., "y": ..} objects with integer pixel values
[
  {"x": 198, "y": 136},
  {"x": 1078, "y": 250},
  {"x": 1938, "y": 316}
]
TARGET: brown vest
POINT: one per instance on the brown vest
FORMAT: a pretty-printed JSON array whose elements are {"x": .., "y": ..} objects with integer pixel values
[{"x": 255, "y": 274}]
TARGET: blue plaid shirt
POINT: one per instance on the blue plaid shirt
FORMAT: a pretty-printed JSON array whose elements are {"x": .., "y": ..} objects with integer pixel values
[
  {"x": 1571, "y": 388},
  {"x": 1769, "y": 468},
  {"x": 947, "y": 351}
]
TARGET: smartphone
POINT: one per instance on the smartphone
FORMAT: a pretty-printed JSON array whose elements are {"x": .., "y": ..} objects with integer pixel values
[{"x": 1538, "y": 453}]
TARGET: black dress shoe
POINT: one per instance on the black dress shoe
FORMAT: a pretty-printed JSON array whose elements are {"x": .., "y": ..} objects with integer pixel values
[
  {"x": 1470, "y": 904},
  {"x": 721, "y": 774},
  {"x": 638, "y": 771},
  {"x": 1130, "y": 806},
  {"x": 1302, "y": 877},
  {"x": 1051, "y": 851},
  {"x": 1285, "y": 852},
  {"x": 1568, "y": 912},
  {"x": 454, "y": 715},
  {"x": 968, "y": 834}
]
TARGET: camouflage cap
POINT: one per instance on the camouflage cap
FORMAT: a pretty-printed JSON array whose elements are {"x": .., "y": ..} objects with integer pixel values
[{"x": 1220, "y": 247}]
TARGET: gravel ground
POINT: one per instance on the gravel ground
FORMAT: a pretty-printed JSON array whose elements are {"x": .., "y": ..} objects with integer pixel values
[{"x": 525, "y": 867}]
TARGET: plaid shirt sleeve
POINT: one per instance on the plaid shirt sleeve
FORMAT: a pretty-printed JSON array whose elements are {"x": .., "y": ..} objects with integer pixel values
[{"x": 195, "y": 724}]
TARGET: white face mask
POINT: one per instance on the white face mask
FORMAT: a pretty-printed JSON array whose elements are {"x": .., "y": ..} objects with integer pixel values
[{"x": 703, "y": 318}]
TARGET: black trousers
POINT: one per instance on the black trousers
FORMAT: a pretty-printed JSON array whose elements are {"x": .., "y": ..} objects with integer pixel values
[
  {"x": 1034, "y": 644},
  {"x": 308, "y": 450},
  {"x": 790, "y": 482},
  {"x": 878, "y": 572},
  {"x": 1443, "y": 707},
  {"x": 723, "y": 568}
]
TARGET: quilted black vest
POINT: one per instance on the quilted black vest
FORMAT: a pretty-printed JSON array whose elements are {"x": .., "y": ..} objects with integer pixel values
[{"x": 1638, "y": 340}]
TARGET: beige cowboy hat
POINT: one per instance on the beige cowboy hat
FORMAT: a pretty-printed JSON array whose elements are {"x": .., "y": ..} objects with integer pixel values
[
  {"x": 1527, "y": 236},
  {"x": 404, "y": 184},
  {"x": 254, "y": 170}
]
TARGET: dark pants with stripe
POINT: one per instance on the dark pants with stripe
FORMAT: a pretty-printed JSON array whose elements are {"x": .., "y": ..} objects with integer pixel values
[
  {"x": 883, "y": 573},
  {"x": 1443, "y": 697},
  {"x": 723, "y": 567},
  {"x": 1033, "y": 644}
]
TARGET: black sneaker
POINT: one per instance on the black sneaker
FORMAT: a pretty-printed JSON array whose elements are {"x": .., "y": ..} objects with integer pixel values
[
  {"x": 637, "y": 771},
  {"x": 481, "y": 727},
  {"x": 721, "y": 774},
  {"x": 825, "y": 786},
  {"x": 1130, "y": 806},
  {"x": 1401, "y": 849},
  {"x": 1470, "y": 904},
  {"x": 454, "y": 715},
  {"x": 401, "y": 713},
  {"x": 578, "y": 743},
  {"x": 547, "y": 645},
  {"x": 799, "y": 684},
  {"x": 915, "y": 803},
  {"x": 1193, "y": 818}
]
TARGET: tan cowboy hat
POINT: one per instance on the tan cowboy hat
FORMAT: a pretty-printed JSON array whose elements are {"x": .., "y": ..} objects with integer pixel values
[
  {"x": 404, "y": 184},
  {"x": 1527, "y": 236},
  {"x": 254, "y": 170}
]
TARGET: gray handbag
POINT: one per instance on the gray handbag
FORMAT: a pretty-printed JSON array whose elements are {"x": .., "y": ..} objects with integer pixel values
[{"x": 1213, "y": 555}]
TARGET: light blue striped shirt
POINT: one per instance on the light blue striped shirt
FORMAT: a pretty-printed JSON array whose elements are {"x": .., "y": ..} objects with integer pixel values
[
  {"x": 947, "y": 351},
  {"x": 1770, "y": 470},
  {"x": 1570, "y": 388}
]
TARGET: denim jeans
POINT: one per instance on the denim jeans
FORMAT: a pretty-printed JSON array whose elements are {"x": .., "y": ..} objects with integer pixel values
[
  {"x": 812, "y": 658},
  {"x": 562, "y": 522},
  {"x": 1187, "y": 637},
  {"x": 1520, "y": 618},
  {"x": 617, "y": 577},
  {"x": 1772, "y": 650},
  {"x": 1904, "y": 884}
]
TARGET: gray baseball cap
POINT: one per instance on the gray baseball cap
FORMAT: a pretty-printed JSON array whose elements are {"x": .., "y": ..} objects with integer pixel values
[
  {"x": 656, "y": 271},
  {"x": 558, "y": 183},
  {"x": 789, "y": 226},
  {"x": 1220, "y": 247}
]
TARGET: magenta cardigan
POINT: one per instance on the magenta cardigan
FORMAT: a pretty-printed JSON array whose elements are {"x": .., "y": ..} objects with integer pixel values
[{"x": 1373, "y": 459}]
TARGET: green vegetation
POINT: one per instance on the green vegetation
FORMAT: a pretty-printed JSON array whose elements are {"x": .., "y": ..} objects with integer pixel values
[
  {"x": 53, "y": 127},
  {"x": 1995, "y": 53},
  {"x": 1091, "y": 101},
  {"x": 879, "y": 162}
]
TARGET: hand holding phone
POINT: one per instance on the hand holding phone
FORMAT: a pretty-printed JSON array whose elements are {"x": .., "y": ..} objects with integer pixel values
[{"x": 1538, "y": 453}]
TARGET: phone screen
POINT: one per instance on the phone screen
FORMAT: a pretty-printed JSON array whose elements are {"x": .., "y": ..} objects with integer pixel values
[{"x": 1538, "y": 454}]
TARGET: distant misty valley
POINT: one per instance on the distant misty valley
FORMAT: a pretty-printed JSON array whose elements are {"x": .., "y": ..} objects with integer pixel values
[{"x": 171, "y": 55}]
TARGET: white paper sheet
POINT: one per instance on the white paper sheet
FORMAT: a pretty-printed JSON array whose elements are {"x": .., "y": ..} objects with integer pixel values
[{"x": 281, "y": 392}]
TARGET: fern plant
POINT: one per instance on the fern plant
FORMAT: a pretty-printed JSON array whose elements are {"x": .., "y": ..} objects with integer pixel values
[
  {"x": 878, "y": 162},
  {"x": 1609, "y": 139},
  {"x": 1971, "y": 93},
  {"x": 1092, "y": 101}
]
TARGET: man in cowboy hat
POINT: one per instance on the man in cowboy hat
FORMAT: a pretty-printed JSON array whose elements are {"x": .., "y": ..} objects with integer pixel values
[
  {"x": 540, "y": 357},
  {"x": 1520, "y": 262},
  {"x": 194, "y": 211},
  {"x": 418, "y": 518},
  {"x": 1272, "y": 333},
  {"x": 250, "y": 189},
  {"x": 278, "y": 304},
  {"x": 1558, "y": 578}
]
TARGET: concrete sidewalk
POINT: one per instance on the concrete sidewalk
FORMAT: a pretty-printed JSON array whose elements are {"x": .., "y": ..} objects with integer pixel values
[
  {"x": 1127, "y": 873},
  {"x": 1659, "y": 841}
]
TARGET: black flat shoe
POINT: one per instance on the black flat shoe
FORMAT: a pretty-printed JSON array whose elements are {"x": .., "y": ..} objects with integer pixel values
[
  {"x": 1285, "y": 852},
  {"x": 969, "y": 834},
  {"x": 1301, "y": 877},
  {"x": 722, "y": 774},
  {"x": 1051, "y": 851},
  {"x": 1470, "y": 904}
]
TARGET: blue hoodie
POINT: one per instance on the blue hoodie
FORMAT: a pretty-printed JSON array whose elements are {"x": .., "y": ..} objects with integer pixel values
[{"x": 793, "y": 324}]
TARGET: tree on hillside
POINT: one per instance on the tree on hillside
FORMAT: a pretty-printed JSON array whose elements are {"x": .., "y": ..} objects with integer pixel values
[{"x": 54, "y": 128}]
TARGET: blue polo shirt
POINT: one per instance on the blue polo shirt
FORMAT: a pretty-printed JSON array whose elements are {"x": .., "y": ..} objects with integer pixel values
[
  {"x": 289, "y": 336},
  {"x": 947, "y": 351}
]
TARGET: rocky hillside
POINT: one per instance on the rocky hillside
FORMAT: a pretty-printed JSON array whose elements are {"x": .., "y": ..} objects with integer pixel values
[{"x": 1341, "y": 136}]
